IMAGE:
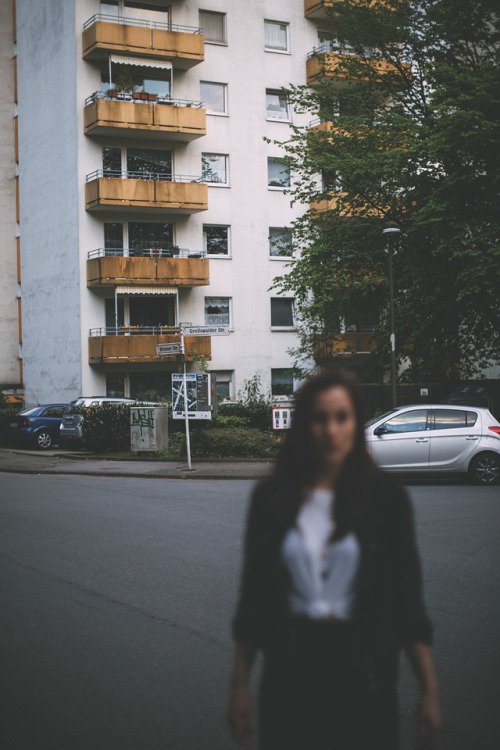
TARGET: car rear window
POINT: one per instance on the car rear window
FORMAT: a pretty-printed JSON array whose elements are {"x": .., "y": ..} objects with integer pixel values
[
  {"x": 449, "y": 419},
  {"x": 28, "y": 412}
]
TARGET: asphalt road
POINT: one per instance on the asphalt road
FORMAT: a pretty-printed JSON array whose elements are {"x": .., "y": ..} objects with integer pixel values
[{"x": 117, "y": 596}]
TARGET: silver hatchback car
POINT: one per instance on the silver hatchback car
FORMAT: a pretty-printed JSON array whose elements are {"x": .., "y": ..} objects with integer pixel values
[{"x": 437, "y": 438}]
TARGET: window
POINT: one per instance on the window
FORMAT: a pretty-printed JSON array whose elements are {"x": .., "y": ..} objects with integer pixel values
[
  {"x": 150, "y": 386},
  {"x": 451, "y": 419},
  {"x": 280, "y": 242},
  {"x": 282, "y": 312},
  {"x": 130, "y": 78},
  {"x": 216, "y": 240},
  {"x": 409, "y": 421},
  {"x": 213, "y": 26},
  {"x": 276, "y": 36},
  {"x": 277, "y": 106},
  {"x": 146, "y": 235},
  {"x": 149, "y": 162},
  {"x": 111, "y": 161},
  {"x": 53, "y": 411},
  {"x": 331, "y": 181},
  {"x": 282, "y": 382},
  {"x": 217, "y": 311},
  {"x": 149, "y": 312},
  {"x": 224, "y": 383},
  {"x": 214, "y": 168},
  {"x": 113, "y": 236},
  {"x": 278, "y": 173},
  {"x": 110, "y": 313},
  {"x": 115, "y": 385},
  {"x": 214, "y": 96}
]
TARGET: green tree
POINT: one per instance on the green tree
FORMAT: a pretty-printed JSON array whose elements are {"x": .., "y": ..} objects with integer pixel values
[{"x": 408, "y": 100}]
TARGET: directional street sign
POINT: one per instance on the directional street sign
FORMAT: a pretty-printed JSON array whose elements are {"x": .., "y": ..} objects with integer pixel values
[
  {"x": 162, "y": 349},
  {"x": 206, "y": 330}
]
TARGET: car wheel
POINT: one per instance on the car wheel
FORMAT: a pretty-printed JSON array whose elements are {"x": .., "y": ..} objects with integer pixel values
[
  {"x": 44, "y": 439},
  {"x": 485, "y": 468}
]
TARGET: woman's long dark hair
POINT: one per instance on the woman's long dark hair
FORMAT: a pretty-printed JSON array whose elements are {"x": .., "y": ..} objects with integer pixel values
[{"x": 299, "y": 464}]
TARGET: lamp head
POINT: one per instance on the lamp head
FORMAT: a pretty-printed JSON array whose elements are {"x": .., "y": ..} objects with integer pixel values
[{"x": 391, "y": 231}]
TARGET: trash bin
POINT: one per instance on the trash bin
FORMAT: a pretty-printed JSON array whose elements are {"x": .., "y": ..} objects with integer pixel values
[{"x": 148, "y": 428}]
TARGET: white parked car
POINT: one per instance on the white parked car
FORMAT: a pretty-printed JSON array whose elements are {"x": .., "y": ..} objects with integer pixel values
[{"x": 435, "y": 438}]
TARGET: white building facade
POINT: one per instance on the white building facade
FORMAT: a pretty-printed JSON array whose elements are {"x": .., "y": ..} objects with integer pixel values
[{"x": 148, "y": 195}]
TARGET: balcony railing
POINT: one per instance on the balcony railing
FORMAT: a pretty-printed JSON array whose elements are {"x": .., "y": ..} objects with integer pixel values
[
  {"x": 135, "y": 97},
  {"x": 127, "y": 114},
  {"x": 129, "y": 21},
  {"x": 131, "y": 267},
  {"x": 135, "y": 252},
  {"x": 103, "y": 33},
  {"x": 138, "y": 344},
  {"x": 126, "y": 175},
  {"x": 145, "y": 190}
]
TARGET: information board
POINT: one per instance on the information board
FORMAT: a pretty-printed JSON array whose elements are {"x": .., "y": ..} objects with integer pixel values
[
  {"x": 200, "y": 389},
  {"x": 282, "y": 417}
]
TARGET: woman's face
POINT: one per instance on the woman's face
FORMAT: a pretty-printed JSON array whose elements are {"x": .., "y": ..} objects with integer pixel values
[{"x": 333, "y": 425}]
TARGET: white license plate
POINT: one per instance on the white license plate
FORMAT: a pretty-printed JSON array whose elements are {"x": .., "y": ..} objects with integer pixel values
[{"x": 13, "y": 424}]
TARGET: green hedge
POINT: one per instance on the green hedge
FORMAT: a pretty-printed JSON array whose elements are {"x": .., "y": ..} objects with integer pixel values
[
  {"x": 225, "y": 442},
  {"x": 106, "y": 428},
  {"x": 257, "y": 415},
  {"x": 6, "y": 414}
]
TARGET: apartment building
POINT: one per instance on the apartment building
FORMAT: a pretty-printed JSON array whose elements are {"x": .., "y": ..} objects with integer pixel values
[{"x": 147, "y": 195}]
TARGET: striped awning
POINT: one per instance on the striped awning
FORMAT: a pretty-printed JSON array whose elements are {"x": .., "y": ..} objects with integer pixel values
[
  {"x": 146, "y": 290},
  {"x": 142, "y": 62}
]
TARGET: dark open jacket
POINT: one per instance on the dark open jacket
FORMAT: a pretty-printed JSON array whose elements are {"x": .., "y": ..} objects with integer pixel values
[{"x": 389, "y": 610}]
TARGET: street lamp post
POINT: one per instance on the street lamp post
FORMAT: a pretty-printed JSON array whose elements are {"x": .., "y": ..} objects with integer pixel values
[{"x": 392, "y": 234}]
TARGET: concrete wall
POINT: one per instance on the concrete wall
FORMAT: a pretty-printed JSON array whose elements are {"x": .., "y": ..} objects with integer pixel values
[
  {"x": 9, "y": 288},
  {"x": 49, "y": 200}
]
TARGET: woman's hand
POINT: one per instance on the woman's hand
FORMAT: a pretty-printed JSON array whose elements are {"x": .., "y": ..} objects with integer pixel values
[
  {"x": 428, "y": 720},
  {"x": 240, "y": 715}
]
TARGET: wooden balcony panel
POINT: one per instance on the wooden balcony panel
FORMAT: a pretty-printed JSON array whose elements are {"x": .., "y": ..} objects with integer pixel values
[
  {"x": 102, "y": 37},
  {"x": 344, "y": 345},
  {"x": 123, "y": 194},
  {"x": 142, "y": 348},
  {"x": 321, "y": 208},
  {"x": 112, "y": 270},
  {"x": 329, "y": 65},
  {"x": 111, "y": 117}
]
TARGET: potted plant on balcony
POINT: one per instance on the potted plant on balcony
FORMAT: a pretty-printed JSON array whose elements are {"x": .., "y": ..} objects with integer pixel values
[{"x": 124, "y": 84}]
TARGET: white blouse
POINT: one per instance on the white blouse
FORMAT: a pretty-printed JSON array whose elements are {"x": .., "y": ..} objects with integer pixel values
[{"x": 323, "y": 574}]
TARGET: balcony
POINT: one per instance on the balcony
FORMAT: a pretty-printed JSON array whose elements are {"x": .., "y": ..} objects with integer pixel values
[
  {"x": 344, "y": 345},
  {"x": 129, "y": 267},
  {"x": 317, "y": 8},
  {"x": 104, "y": 34},
  {"x": 320, "y": 209},
  {"x": 325, "y": 65},
  {"x": 137, "y": 344},
  {"x": 129, "y": 115},
  {"x": 145, "y": 191}
]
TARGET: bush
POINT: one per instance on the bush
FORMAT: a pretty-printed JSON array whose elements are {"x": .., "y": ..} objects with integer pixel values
[
  {"x": 226, "y": 442},
  {"x": 255, "y": 415},
  {"x": 6, "y": 414},
  {"x": 106, "y": 428}
]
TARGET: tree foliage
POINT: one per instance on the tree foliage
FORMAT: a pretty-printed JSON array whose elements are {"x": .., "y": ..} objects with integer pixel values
[{"x": 408, "y": 100}]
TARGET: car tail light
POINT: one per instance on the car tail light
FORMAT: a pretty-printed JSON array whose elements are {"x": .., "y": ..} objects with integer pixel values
[
  {"x": 26, "y": 422},
  {"x": 495, "y": 429}
]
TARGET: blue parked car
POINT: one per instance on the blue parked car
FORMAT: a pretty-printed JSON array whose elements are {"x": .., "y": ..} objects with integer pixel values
[{"x": 39, "y": 425}]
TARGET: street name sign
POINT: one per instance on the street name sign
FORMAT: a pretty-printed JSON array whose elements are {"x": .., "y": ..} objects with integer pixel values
[
  {"x": 206, "y": 330},
  {"x": 162, "y": 349}
]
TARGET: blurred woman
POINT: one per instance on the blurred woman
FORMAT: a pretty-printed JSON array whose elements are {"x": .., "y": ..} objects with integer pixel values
[{"x": 330, "y": 592}]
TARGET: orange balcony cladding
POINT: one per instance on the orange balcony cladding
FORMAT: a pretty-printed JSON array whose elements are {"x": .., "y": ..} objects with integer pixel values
[
  {"x": 119, "y": 193},
  {"x": 130, "y": 271},
  {"x": 317, "y": 8},
  {"x": 321, "y": 208},
  {"x": 142, "y": 348},
  {"x": 344, "y": 345},
  {"x": 330, "y": 66},
  {"x": 183, "y": 48},
  {"x": 104, "y": 117}
]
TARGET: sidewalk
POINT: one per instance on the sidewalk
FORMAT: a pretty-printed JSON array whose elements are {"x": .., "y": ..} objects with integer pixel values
[{"x": 19, "y": 461}]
